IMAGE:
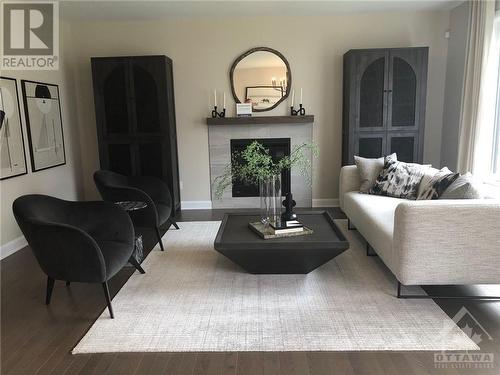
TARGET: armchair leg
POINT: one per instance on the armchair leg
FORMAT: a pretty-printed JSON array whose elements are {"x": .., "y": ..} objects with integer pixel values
[
  {"x": 136, "y": 264},
  {"x": 108, "y": 299},
  {"x": 159, "y": 238},
  {"x": 173, "y": 222},
  {"x": 50, "y": 287}
]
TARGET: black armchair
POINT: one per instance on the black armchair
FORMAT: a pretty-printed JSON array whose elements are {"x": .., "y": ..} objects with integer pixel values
[
  {"x": 76, "y": 241},
  {"x": 154, "y": 192}
]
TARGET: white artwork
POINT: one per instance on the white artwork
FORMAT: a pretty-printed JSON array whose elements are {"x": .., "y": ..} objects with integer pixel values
[
  {"x": 12, "y": 153},
  {"x": 44, "y": 123}
]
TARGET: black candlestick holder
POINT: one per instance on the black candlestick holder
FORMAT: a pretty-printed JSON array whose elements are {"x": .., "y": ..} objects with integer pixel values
[
  {"x": 216, "y": 114},
  {"x": 298, "y": 112}
]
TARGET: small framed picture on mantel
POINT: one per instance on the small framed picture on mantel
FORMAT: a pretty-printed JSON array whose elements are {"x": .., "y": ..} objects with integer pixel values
[{"x": 244, "y": 109}]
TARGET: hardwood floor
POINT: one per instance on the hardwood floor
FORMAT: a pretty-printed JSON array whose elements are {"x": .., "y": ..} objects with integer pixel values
[{"x": 37, "y": 339}]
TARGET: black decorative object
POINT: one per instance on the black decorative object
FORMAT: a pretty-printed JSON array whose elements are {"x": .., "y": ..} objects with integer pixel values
[
  {"x": 298, "y": 112},
  {"x": 384, "y": 103},
  {"x": 289, "y": 204},
  {"x": 216, "y": 114},
  {"x": 135, "y": 118}
]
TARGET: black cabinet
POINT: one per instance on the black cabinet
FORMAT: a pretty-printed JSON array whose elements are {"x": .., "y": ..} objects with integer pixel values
[
  {"x": 135, "y": 116},
  {"x": 384, "y": 103}
]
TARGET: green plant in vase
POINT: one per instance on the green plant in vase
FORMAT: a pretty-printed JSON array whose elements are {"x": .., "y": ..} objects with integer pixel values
[{"x": 255, "y": 166}]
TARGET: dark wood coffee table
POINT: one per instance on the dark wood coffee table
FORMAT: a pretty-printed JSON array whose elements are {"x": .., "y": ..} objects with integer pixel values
[{"x": 300, "y": 254}]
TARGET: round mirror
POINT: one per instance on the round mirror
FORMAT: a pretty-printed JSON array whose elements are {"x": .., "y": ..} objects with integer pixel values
[{"x": 261, "y": 76}]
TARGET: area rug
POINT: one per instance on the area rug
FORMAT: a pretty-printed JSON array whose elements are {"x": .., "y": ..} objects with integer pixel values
[{"x": 194, "y": 299}]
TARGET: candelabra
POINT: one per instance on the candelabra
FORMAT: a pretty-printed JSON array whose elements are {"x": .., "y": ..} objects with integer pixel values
[
  {"x": 216, "y": 114},
  {"x": 298, "y": 112}
]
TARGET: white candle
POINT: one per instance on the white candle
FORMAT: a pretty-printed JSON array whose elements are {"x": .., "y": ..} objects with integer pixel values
[
  {"x": 293, "y": 96},
  {"x": 215, "y": 98},
  {"x": 301, "y": 95},
  {"x": 224, "y": 104}
]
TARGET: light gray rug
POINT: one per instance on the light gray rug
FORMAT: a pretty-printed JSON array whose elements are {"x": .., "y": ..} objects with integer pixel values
[{"x": 194, "y": 299}]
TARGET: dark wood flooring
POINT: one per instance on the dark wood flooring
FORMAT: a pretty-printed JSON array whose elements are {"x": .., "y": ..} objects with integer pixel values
[{"x": 37, "y": 339}]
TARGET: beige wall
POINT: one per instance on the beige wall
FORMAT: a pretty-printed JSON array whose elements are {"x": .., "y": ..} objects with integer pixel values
[
  {"x": 203, "y": 51},
  {"x": 63, "y": 181}
]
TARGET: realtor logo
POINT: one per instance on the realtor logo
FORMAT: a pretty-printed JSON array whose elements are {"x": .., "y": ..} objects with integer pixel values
[
  {"x": 30, "y": 35},
  {"x": 467, "y": 360}
]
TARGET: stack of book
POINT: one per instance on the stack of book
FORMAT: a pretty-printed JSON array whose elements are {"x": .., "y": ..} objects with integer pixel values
[{"x": 286, "y": 227}]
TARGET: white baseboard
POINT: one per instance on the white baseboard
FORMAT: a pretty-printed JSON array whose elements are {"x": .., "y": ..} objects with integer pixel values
[
  {"x": 196, "y": 205},
  {"x": 11, "y": 247},
  {"x": 331, "y": 202}
]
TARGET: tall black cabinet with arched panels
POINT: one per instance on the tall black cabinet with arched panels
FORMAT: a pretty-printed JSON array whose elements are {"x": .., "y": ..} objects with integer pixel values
[
  {"x": 384, "y": 103},
  {"x": 135, "y": 116}
]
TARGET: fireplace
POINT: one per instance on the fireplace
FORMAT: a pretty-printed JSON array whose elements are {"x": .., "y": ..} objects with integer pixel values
[
  {"x": 278, "y": 148},
  {"x": 283, "y": 137}
]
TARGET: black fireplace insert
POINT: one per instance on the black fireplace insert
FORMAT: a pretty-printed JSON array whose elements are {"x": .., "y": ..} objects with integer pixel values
[{"x": 278, "y": 148}]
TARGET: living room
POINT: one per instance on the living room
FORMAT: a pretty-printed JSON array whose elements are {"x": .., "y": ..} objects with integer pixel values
[{"x": 144, "y": 167}]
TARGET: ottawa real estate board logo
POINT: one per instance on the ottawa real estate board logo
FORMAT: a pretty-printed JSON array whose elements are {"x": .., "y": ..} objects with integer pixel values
[{"x": 30, "y": 35}]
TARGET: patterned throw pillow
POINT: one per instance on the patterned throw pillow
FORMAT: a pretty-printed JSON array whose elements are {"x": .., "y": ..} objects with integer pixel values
[
  {"x": 369, "y": 169},
  {"x": 437, "y": 185},
  {"x": 399, "y": 179}
]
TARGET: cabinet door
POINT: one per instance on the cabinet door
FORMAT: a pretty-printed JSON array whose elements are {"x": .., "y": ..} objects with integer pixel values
[
  {"x": 148, "y": 92},
  {"x": 119, "y": 158},
  {"x": 404, "y": 145},
  {"x": 112, "y": 91},
  {"x": 372, "y": 68},
  {"x": 371, "y": 145},
  {"x": 406, "y": 89}
]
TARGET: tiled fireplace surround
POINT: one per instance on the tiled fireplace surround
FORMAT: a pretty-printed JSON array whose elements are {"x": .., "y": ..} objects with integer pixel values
[{"x": 219, "y": 140}]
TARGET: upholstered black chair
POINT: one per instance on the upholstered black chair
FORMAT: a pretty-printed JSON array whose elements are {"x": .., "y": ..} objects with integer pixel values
[
  {"x": 76, "y": 241},
  {"x": 154, "y": 192}
]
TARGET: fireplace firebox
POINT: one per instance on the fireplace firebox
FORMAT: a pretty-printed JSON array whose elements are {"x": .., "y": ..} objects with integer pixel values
[{"x": 278, "y": 148}]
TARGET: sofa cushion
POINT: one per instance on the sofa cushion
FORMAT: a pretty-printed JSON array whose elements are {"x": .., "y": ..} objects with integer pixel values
[
  {"x": 373, "y": 217},
  {"x": 399, "y": 179},
  {"x": 369, "y": 169}
]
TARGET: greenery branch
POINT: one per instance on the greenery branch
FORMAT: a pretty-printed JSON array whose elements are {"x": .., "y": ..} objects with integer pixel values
[{"x": 255, "y": 163}]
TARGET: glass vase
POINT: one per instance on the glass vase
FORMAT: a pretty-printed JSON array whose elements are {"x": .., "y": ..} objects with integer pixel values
[{"x": 270, "y": 199}]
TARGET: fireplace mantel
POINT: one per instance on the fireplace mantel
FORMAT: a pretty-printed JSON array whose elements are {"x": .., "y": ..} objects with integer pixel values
[{"x": 307, "y": 119}]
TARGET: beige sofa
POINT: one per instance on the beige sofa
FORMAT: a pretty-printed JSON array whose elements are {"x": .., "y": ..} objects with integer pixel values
[{"x": 431, "y": 242}]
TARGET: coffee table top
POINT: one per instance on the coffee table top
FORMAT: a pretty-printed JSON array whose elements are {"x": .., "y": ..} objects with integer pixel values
[{"x": 234, "y": 232}]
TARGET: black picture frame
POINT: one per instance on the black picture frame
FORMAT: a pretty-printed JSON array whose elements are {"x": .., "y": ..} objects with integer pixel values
[
  {"x": 21, "y": 129},
  {"x": 28, "y": 124}
]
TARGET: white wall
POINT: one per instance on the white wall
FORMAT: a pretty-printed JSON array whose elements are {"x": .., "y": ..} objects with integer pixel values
[
  {"x": 455, "y": 70},
  {"x": 203, "y": 51},
  {"x": 63, "y": 181}
]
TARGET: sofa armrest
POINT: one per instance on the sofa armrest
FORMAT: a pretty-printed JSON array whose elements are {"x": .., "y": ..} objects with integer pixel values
[
  {"x": 349, "y": 181},
  {"x": 441, "y": 242}
]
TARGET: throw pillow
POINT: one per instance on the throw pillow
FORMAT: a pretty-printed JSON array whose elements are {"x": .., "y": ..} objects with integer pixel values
[
  {"x": 464, "y": 187},
  {"x": 438, "y": 184},
  {"x": 426, "y": 178},
  {"x": 368, "y": 170},
  {"x": 398, "y": 179}
]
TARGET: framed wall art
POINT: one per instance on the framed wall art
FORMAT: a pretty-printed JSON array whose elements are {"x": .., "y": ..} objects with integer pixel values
[
  {"x": 12, "y": 151},
  {"x": 44, "y": 124}
]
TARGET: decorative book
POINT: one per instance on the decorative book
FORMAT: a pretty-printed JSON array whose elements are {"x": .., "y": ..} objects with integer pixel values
[{"x": 268, "y": 232}]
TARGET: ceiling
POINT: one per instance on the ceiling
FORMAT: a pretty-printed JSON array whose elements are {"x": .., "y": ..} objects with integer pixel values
[{"x": 123, "y": 10}]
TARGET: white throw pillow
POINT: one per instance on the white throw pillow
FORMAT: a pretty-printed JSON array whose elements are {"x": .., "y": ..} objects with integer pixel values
[{"x": 369, "y": 169}]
